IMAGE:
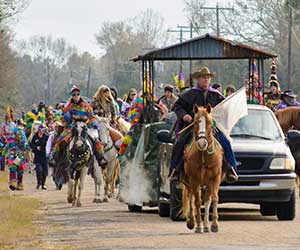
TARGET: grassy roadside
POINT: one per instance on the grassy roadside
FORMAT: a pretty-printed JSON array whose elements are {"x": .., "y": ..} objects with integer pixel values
[{"x": 17, "y": 213}]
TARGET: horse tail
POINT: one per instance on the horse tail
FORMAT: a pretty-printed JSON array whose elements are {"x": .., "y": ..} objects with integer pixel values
[{"x": 185, "y": 203}]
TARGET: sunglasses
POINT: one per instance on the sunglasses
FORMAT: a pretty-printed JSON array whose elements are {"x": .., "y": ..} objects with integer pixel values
[
  {"x": 106, "y": 90},
  {"x": 76, "y": 94}
]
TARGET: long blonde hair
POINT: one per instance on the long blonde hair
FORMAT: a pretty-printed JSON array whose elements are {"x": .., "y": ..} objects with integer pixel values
[{"x": 101, "y": 98}]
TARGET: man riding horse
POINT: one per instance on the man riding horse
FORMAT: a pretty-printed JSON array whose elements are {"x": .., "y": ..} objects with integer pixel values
[
  {"x": 202, "y": 95},
  {"x": 78, "y": 109}
]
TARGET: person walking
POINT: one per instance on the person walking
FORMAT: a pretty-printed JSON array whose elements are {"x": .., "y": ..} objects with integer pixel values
[{"x": 38, "y": 145}]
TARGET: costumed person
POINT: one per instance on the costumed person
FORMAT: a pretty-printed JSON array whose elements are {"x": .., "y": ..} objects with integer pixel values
[
  {"x": 288, "y": 99},
  {"x": 127, "y": 103},
  {"x": 77, "y": 109},
  {"x": 38, "y": 146},
  {"x": 6, "y": 131},
  {"x": 42, "y": 112},
  {"x": 15, "y": 157},
  {"x": 52, "y": 139},
  {"x": 202, "y": 95},
  {"x": 30, "y": 117},
  {"x": 103, "y": 104},
  {"x": 254, "y": 88},
  {"x": 272, "y": 97},
  {"x": 139, "y": 112}
]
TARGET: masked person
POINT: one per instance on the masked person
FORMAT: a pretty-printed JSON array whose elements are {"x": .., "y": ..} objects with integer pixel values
[
  {"x": 15, "y": 157},
  {"x": 202, "y": 95}
]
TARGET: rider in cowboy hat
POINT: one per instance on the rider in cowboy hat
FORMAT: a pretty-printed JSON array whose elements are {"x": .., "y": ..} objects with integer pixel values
[
  {"x": 288, "y": 99},
  {"x": 202, "y": 95}
]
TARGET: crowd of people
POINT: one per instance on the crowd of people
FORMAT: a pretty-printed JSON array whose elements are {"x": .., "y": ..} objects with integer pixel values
[{"x": 45, "y": 130}]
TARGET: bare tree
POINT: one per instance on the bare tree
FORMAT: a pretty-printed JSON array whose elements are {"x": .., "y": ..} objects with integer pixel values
[{"x": 11, "y": 8}]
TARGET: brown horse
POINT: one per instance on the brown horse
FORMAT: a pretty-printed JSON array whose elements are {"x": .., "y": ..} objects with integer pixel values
[
  {"x": 203, "y": 172},
  {"x": 288, "y": 118}
]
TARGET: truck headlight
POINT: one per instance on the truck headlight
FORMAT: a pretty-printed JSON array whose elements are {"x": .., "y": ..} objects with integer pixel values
[{"x": 282, "y": 163}]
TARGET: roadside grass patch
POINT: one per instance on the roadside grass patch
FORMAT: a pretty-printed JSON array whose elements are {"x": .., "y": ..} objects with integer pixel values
[{"x": 16, "y": 216}]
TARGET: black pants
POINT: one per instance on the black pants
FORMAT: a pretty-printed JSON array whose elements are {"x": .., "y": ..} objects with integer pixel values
[{"x": 41, "y": 172}]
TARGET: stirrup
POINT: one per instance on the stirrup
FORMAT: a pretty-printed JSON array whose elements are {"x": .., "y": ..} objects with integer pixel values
[{"x": 231, "y": 176}]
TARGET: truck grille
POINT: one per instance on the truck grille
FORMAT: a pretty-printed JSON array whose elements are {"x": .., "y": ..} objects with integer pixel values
[{"x": 250, "y": 164}]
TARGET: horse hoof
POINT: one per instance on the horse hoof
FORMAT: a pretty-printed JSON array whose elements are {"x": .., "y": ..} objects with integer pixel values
[
  {"x": 214, "y": 228},
  {"x": 105, "y": 199},
  {"x": 206, "y": 230},
  {"x": 190, "y": 224},
  {"x": 98, "y": 201},
  {"x": 198, "y": 230},
  {"x": 79, "y": 204},
  {"x": 94, "y": 200},
  {"x": 73, "y": 204},
  {"x": 70, "y": 200}
]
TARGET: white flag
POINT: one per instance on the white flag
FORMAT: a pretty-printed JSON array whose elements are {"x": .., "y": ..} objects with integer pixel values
[{"x": 228, "y": 112}]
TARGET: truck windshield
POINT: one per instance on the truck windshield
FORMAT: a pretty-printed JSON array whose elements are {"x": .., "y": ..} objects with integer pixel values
[{"x": 258, "y": 124}]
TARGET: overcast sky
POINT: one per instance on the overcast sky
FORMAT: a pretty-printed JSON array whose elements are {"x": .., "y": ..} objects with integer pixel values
[{"x": 79, "y": 20}]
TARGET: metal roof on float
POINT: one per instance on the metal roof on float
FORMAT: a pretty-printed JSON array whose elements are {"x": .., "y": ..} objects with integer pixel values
[{"x": 205, "y": 47}]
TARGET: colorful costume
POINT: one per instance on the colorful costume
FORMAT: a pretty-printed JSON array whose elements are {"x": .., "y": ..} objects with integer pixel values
[{"x": 14, "y": 153}]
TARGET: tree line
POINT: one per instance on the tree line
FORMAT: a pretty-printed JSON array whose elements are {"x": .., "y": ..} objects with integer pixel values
[{"x": 43, "y": 68}]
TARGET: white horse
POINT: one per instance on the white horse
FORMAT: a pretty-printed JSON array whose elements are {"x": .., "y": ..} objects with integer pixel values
[
  {"x": 79, "y": 154},
  {"x": 111, "y": 172}
]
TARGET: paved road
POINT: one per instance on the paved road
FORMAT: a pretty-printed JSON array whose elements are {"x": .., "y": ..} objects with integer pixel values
[{"x": 109, "y": 226}]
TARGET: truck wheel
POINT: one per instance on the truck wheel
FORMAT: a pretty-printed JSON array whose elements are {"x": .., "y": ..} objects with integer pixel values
[
  {"x": 163, "y": 209},
  {"x": 267, "y": 210},
  {"x": 134, "y": 208},
  {"x": 287, "y": 210},
  {"x": 175, "y": 202}
]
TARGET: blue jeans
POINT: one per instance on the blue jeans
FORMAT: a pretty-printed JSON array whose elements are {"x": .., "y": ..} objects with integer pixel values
[
  {"x": 228, "y": 152},
  {"x": 41, "y": 172}
]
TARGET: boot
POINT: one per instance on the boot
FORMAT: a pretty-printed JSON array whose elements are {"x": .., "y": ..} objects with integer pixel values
[{"x": 230, "y": 174}]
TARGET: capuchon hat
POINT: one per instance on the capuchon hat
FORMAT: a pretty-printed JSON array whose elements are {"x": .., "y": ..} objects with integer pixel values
[
  {"x": 274, "y": 83},
  {"x": 202, "y": 72},
  {"x": 75, "y": 89},
  {"x": 288, "y": 93}
]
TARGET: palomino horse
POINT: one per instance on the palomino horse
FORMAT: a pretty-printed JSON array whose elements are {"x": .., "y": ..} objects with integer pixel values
[
  {"x": 111, "y": 172},
  {"x": 79, "y": 155},
  {"x": 202, "y": 172},
  {"x": 288, "y": 118}
]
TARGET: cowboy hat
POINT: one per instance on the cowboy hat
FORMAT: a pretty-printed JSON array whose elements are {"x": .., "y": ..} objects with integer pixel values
[
  {"x": 289, "y": 93},
  {"x": 202, "y": 72}
]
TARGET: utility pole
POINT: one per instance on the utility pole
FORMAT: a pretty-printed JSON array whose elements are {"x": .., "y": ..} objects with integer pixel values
[
  {"x": 217, "y": 9},
  {"x": 48, "y": 82},
  {"x": 180, "y": 30},
  {"x": 290, "y": 45},
  {"x": 88, "y": 82}
]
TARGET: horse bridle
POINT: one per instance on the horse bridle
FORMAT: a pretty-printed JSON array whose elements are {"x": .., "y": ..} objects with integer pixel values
[{"x": 200, "y": 137}]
